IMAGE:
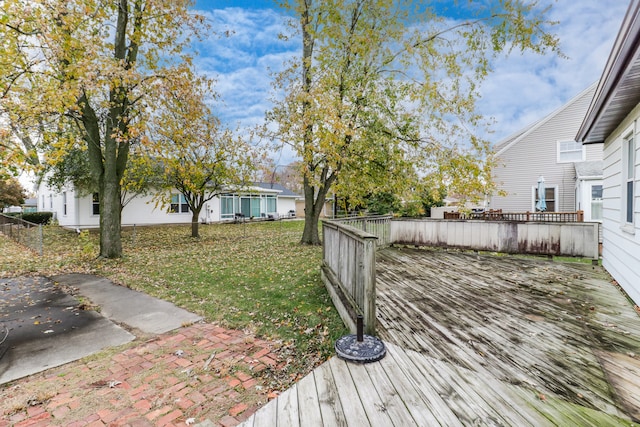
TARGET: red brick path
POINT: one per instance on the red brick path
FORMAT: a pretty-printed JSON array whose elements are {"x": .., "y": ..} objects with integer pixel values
[{"x": 195, "y": 373}]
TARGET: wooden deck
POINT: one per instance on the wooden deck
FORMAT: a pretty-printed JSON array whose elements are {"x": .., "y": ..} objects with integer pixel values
[{"x": 481, "y": 340}]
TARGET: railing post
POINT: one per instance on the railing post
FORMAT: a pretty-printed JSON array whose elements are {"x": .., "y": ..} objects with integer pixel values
[
  {"x": 580, "y": 216},
  {"x": 369, "y": 280}
]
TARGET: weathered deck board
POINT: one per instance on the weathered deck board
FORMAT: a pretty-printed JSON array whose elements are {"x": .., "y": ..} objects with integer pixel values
[
  {"x": 330, "y": 406},
  {"x": 481, "y": 340},
  {"x": 523, "y": 321}
]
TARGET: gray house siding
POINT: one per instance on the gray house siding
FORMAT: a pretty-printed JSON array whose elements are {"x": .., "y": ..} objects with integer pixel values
[{"x": 523, "y": 159}]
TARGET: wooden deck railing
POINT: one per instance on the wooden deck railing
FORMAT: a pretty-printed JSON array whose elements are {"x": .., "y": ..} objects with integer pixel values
[
  {"x": 498, "y": 215},
  {"x": 379, "y": 226},
  {"x": 348, "y": 271}
]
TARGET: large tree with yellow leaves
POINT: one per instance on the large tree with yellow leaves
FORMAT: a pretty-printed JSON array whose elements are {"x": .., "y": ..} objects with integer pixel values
[
  {"x": 77, "y": 73},
  {"x": 384, "y": 94}
]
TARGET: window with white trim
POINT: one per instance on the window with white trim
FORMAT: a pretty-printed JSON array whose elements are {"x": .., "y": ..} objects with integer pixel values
[
  {"x": 64, "y": 203},
  {"x": 228, "y": 206},
  {"x": 95, "y": 204},
  {"x": 178, "y": 204},
  {"x": 549, "y": 198},
  {"x": 570, "y": 152},
  {"x": 628, "y": 154},
  {"x": 596, "y": 203}
]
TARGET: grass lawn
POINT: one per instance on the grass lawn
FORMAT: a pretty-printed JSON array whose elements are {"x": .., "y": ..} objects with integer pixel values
[{"x": 243, "y": 276}]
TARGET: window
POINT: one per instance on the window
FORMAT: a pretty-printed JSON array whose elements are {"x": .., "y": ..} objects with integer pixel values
[
  {"x": 271, "y": 204},
  {"x": 95, "y": 204},
  {"x": 549, "y": 199},
  {"x": 50, "y": 201},
  {"x": 227, "y": 209},
  {"x": 43, "y": 207},
  {"x": 629, "y": 177},
  {"x": 178, "y": 204},
  {"x": 596, "y": 203},
  {"x": 64, "y": 203},
  {"x": 570, "y": 151}
]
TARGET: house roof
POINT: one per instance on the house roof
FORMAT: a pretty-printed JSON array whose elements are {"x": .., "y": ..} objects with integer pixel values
[
  {"x": 589, "y": 169},
  {"x": 516, "y": 137},
  {"x": 618, "y": 90},
  {"x": 275, "y": 187}
]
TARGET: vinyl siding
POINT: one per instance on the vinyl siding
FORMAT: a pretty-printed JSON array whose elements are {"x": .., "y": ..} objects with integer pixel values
[
  {"x": 535, "y": 153},
  {"x": 621, "y": 245},
  {"x": 141, "y": 210}
]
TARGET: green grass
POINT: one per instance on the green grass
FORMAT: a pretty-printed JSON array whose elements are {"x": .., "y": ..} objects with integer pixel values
[{"x": 255, "y": 277}]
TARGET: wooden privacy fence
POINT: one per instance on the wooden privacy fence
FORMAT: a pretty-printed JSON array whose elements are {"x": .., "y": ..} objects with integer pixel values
[
  {"x": 348, "y": 271},
  {"x": 577, "y": 239}
]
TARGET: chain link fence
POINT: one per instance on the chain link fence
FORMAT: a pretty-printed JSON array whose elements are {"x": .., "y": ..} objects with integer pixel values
[{"x": 24, "y": 232}]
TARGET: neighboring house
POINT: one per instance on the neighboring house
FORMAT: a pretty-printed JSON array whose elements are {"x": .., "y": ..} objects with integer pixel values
[
  {"x": 548, "y": 148},
  {"x": 327, "y": 210},
  {"x": 260, "y": 200},
  {"x": 30, "y": 205},
  {"x": 614, "y": 118}
]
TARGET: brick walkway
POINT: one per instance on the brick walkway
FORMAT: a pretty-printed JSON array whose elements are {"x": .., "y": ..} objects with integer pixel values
[{"x": 201, "y": 372}]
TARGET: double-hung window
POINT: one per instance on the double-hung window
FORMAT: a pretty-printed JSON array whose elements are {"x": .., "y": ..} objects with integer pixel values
[
  {"x": 64, "y": 203},
  {"x": 95, "y": 204},
  {"x": 178, "y": 204},
  {"x": 596, "y": 202},
  {"x": 549, "y": 196},
  {"x": 570, "y": 152},
  {"x": 629, "y": 151}
]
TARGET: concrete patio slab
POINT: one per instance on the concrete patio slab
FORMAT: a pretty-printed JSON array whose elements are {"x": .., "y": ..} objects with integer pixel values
[
  {"x": 46, "y": 327},
  {"x": 124, "y": 305}
]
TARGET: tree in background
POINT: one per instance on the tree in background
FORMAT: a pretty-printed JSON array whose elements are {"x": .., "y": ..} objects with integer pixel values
[
  {"x": 200, "y": 158},
  {"x": 383, "y": 203},
  {"x": 88, "y": 65},
  {"x": 384, "y": 92},
  {"x": 11, "y": 193},
  {"x": 289, "y": 176}
]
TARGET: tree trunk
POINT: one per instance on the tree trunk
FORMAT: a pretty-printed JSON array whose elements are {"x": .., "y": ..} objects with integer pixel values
[
  {"x": 313, "y": 205},
  {"x": 310, "y": 234},
  {"x": 195, "y": 223},
  {"x": 110, "y": 220}
]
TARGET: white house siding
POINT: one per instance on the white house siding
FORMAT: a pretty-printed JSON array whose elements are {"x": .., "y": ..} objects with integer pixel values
[
  {"x": 522, "y": 160},
  {"x": 621, "y": 246},
  {"x": 141, "y": 210},
  {"x": 286, "y": 204}
]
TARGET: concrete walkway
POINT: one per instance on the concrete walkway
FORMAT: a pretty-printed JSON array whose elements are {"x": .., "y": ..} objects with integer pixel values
[{"x": 47, "y": 327}]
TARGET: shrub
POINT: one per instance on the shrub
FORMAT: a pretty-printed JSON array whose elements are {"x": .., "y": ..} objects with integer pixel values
[{"x": 38, "y": 217}]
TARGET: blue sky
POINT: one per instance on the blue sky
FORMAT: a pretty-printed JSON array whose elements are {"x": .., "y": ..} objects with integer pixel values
[{"x": 522, "y": 89}]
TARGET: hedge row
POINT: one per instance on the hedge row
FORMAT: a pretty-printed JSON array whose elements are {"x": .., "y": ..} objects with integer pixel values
[{"x": 38, "y": 217}]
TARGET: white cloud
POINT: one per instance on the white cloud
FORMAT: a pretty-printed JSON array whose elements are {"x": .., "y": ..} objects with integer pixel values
[
  {"x": 241, "y": 54},
  {"x": 244, "y": 49},
  {"x": 525, "y": 88}
]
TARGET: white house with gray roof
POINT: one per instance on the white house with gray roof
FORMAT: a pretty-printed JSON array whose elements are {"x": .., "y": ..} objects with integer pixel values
[
  {"x": 548, "y": 148},
  {"x": 613, "y": 117},
  {"x": 259, "y": 200}
]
